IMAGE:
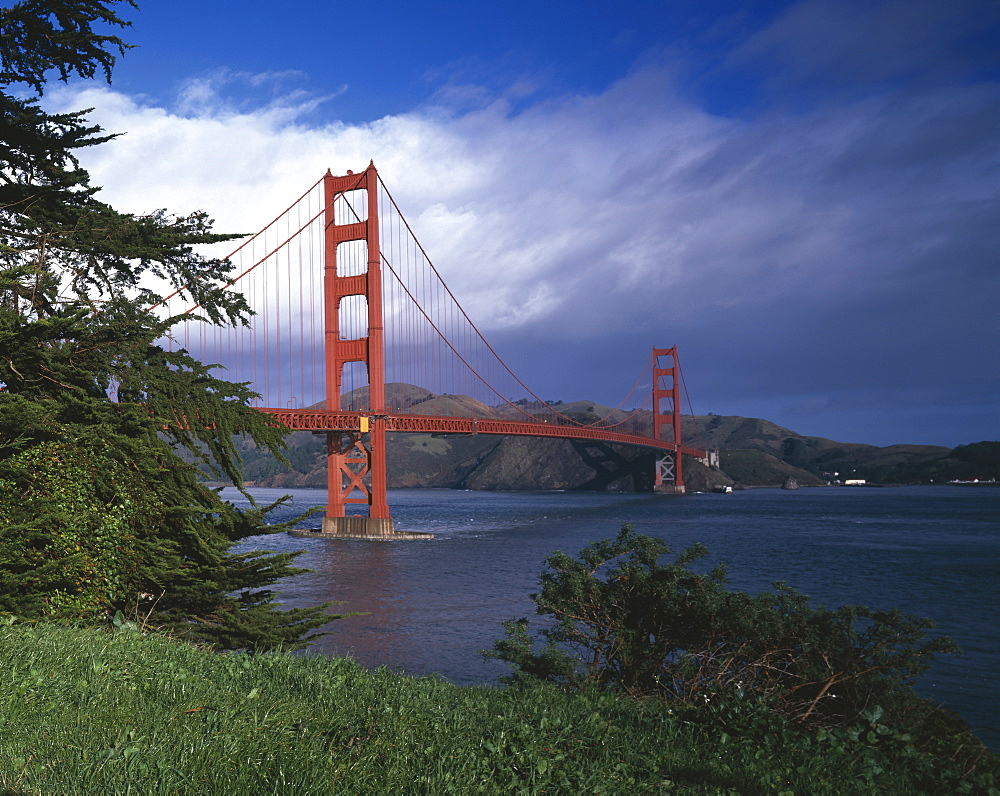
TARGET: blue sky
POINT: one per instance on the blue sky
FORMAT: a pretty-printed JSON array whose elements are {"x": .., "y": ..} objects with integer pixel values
[
  {"x": 391, "y": 57},
  {"x": 803, "y": 196}
]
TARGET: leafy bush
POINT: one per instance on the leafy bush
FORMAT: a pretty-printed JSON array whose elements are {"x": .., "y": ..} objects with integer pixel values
[{"x": 622, "y": 619}]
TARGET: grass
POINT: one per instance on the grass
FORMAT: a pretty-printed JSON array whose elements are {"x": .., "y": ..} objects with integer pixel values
[{"x": 87, "y": 711}]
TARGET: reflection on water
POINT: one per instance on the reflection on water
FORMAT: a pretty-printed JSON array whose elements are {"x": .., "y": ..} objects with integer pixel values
[
  {"x": 431, "y": 606},
  {"x": 367, "y": 573}
]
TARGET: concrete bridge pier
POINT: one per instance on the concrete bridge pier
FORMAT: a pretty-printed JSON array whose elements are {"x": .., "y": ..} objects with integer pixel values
[
  {"x": 668, "y": 479},
  {"x": 373, "y": 529}
]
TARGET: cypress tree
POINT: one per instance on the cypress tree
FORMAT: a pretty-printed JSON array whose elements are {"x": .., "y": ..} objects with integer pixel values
[{"x": 98, "y": 512}]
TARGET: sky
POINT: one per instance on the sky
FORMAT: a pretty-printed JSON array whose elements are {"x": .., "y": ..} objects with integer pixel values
[{"x": 804, "y": 197}]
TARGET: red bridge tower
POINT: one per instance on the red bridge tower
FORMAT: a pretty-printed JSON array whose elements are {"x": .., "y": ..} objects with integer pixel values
[
  {"x": 666, "y": 387},
  {"x": 356, "y": 463}
]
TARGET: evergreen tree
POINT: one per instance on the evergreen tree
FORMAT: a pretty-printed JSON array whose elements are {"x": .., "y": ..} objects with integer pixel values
[{"x": 98, "y": 513}]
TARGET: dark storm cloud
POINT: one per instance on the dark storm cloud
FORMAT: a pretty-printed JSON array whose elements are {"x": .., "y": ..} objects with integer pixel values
[
  {"x": 851, "y": 45},
  {"x": 840, "y": 266}
]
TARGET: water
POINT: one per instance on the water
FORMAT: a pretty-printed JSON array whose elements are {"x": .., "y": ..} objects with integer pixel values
[{"x": 432, "y": 606}]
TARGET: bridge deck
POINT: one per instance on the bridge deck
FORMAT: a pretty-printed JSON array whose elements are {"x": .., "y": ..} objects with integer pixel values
[{"x": 322, "y": 420}]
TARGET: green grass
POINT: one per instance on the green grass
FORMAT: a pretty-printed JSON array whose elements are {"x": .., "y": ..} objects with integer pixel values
[{"x": 91, "y": 712}]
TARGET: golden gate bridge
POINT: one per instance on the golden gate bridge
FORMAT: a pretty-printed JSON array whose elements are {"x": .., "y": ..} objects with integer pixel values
[{"x": 351, "y": 314}]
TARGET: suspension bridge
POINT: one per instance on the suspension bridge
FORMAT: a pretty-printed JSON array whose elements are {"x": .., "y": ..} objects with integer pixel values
[{"x": 357, "y": 335}]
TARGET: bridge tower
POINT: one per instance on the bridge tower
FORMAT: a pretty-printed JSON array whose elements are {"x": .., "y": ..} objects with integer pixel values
[
  {"x": 666, "y": 387},
  {"x": 356, "y": 460}
]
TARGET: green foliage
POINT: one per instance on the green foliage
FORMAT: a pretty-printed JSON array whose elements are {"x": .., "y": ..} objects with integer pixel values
[
  {"x": 42, "y": 35},
  {"x": 89, "y": 712},
  {"x": 76, "y": 554},
  {"x": 622, "y": 619},
  {"x": 768, "y": 672},
  {"x": 98, "y": 513}
]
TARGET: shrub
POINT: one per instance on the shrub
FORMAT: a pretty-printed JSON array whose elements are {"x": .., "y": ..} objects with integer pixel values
[{"x": 622, "y": 619}]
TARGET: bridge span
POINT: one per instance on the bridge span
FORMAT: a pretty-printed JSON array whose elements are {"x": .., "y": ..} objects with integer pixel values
[{"x": 345, "y": 295}]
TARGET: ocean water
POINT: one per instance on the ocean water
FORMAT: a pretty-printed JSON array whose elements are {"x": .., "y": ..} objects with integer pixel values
[{"x": 431, "y": 606}]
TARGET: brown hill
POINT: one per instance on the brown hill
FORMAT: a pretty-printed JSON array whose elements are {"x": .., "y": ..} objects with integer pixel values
[{"x": 755, "y": 452}]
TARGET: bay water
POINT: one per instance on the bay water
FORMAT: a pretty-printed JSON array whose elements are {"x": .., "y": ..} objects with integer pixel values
[{"x": 431, "y": 607}]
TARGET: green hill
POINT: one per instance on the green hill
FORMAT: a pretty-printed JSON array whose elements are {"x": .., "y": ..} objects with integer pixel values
[
  {"x": 832, "y": 461},
  {"x": 754, "y": 453}
]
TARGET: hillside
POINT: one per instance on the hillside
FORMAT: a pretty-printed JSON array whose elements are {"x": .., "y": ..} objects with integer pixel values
[
  {"x": 754, "y": 453},
  {"x": 831, "y": 461}
]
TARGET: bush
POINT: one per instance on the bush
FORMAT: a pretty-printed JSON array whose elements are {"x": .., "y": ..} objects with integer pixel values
[{"x": 621, "y": 619}]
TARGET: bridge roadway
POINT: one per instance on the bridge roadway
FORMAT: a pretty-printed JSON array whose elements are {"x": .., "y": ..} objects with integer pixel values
[{"x": 322, "y": 420}]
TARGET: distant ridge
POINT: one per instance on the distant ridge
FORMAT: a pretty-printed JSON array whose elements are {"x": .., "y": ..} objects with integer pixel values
[{"x": 754, "y": 453}]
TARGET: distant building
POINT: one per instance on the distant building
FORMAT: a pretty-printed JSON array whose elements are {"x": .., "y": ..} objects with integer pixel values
[{"x": 854, "y": 482}]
